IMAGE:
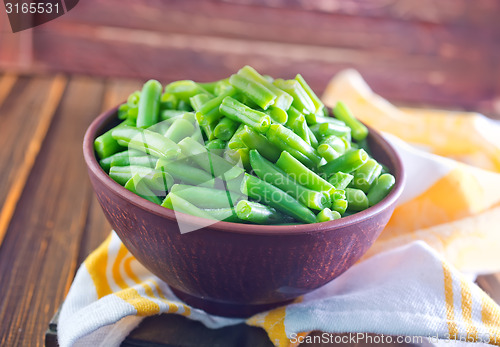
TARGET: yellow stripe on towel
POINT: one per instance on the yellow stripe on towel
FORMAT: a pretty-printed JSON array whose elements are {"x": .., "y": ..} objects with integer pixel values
[
  {"x": 448, "y": 295},
  {"x": 96, "y": 264}
]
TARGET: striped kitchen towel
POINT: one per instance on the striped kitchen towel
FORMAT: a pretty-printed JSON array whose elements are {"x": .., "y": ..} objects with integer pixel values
[{"x": 409, "y": 283}]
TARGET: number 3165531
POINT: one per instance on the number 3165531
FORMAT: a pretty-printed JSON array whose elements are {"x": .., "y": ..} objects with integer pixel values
[{"x": 31, "y": 8}]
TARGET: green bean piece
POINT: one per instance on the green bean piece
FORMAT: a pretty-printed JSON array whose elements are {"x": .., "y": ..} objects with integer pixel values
[
  {"x": 239, "y": 157},
  {"x": 283, "y": 99},
  {"x": 340, "y": 206},
  {"x": 257, "y": 92},
  {"x": 254, "y": 140},
  {"x": 235, "y": 141},
  {"x": 185, "y": 89},
  {"x": 210, "y": 110},
  {"x": 180, "y": 205},
  {"x": 291, "y": 140},
  {"x": 147, "y": 141},
  {"x": 199, "y": 100},
  {"x": 340, "y": 180},
  {"x": 312, "y": 138},
  {"x": 206, "y": 197},
  {"x": 123, "y": 111},
  {"x": 270, "y": 173},
  {"x": 327, "y": 152},
  {"x": 168, "y": 102},
  {"x": 327, "y": 215},
  {"x": 321, "y": 119},
  {"x": 184, "y": 106},
  {"x": 356, "y": 199},
  {"x": 301, "y": 101},
  {"x": 226, "y": 128},
  {"x": 216, "y": 144},
  {"x": 105, "y": 145},
  {"x": 339, "y": 144},
  {"x": 133, "y": 98},
  {"x": 222, "y": 87},
  {"x": 181, "y": 170},
  {"x": 314, "y": 98},
  {"x": 224, "y": 214},
  {"x": 210, "y": 162},
  {"x": 302, "y": 174},
  {"x": 358, "y": 130},
  {"x": 157, "y": 180},
  {"x": 277, "y": 114},
  {"x": 137, "y": 186},
  {"x": 327, "y": 129},
  {"x": 297, "y": 122},
  {"x": 208, "y": 128},
  {"x": 259, "y": 214},
  {"x": 257, "y": 189},
  {"x": 366, "y": 174},
  {"x": 241, "y": 113},
  {"x": 167, "y": 202},
  {"x": 169, "y": 114},
  {"x": 144, "y": 160},
  {"x": 149, "y": 104},
  {"x": 311, "y": 118},
  {"x": 347, "y": 162},
  {"x": 179, "y": 129},
  {"x": 383, "y": 185},
  {"x": 160, "y": 128},
  {"x": 209, "y": 86},
  {"x": 106, "y": 162}
]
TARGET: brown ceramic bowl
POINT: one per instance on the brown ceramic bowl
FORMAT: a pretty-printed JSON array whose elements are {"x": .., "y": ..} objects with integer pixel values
[{"x": 232, "y": 269}]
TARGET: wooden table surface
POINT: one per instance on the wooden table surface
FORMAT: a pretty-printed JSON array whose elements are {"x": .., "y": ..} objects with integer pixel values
[{"x": 49, "y": 218}]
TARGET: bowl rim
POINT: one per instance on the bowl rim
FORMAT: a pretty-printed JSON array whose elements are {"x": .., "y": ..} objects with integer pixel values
[{"x": 240, "y": 228}]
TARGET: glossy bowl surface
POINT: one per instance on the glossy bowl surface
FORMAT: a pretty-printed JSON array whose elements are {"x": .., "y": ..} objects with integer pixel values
[{"x": 232, "y": 269}]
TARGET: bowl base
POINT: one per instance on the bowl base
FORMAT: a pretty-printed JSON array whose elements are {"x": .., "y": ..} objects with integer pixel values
[{"x": 226, "y": 310}]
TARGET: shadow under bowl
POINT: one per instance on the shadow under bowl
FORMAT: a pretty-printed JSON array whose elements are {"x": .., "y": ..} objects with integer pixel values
[{"x": 232, "y": 269}]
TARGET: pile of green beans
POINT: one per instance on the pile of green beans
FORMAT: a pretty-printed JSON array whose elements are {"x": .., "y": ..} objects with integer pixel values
[{"x": 246, "y": 149}]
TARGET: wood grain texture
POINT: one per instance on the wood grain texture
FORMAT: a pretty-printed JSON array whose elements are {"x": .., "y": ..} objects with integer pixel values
[
  {"x": 24, "y": 131},
  {"x": 39, "y": 255},
  {"x": 6, "y": 83}
]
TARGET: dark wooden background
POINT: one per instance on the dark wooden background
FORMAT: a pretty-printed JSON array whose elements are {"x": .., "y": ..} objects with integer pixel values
[
  {"x": 444, "y": 53},
  {"x": 56, "y": 78}
]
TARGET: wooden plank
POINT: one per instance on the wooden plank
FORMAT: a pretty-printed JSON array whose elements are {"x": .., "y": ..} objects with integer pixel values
[
  {"x": 39, "y": 255},
  {"x": 16, "y": 50},
  {"x": 7, "y": 81},
  {"x": 410, "y": 79},
  {"x": 21, "y": 137}
]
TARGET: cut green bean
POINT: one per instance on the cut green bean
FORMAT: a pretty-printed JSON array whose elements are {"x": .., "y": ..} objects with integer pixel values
[
  {"x": 279, "y": 135},
  {"x": 147, "y": 141},
  {"x": 301, "y": 101},
  {"x": 224, "y": 214},
  {"x": 254, "y": 90},
  {"x": 225, "y": 129},
  {"x": 283, "y": 99},
  {"x": 347, "y": 162},
  {"x": 180, "y": 205},
  {"x": 277, "y": 114},
  {"x": 366, "y": 174},
  {"x": 272, "y": 174},
  {"x": 254, "y": 140},
  {"x": 327, "y": 152},
  {"x": 105, "y": 145},
  {"x": 257, "y": 189},
  {"x": 340, "y": 180},
  {"x": 179, "y": 129},
  {"x": 216, "y": 144},
  {"x": 106, "y": 162},
  {"x": 144, "y": 160},
  {"x": 302, "y": 174},
  {"x": 137, "y": 186},
  {"x": 157, "y": 180},
  {"x": 149, "y": 104},
  {"x": 327, "y": 215},
  {"x": 168, "y": 102},
  {"x": 259, "y": 214},
  {"x": 356, "y": 199},
  {"x": 206, "y": 197},
  {"x": 183, "y": 90},
  {"x": 314, "y": 98},
  {"x": 340, "y": 206},
  {"x": 210, "y": 110},
  {"x": 358, "y": 130},
  {"x": 181, "y": 170},
  {"x": 327, "y": 129},
  {"x": 210, "y": 162},
  {"x": 337, "y": 143},
  {"x": 383, "y": 185},
  {"x": 241, "y": 113},
  {"x": 199, "y": 100}
]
